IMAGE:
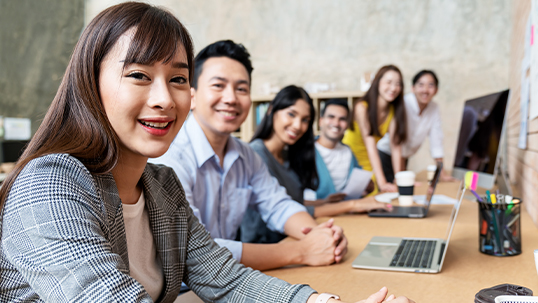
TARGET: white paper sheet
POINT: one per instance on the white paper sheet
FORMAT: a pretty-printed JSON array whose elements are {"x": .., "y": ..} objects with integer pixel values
[
  {"x": 357, "y": 183},
  {"x": 17, "y": 129},
  {"x": 437, "y": 199},
  {"x": 309, "y": 194},
  {"x": 419, "y": 199}
]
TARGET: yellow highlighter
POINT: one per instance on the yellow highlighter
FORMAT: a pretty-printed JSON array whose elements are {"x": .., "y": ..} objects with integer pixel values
[{"x": 493, "y": 198}]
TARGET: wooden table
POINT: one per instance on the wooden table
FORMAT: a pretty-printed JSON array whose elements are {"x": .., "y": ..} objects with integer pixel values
[{"x": 465, "y": 270}]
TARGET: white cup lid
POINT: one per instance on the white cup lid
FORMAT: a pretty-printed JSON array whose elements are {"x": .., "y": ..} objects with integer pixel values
[{"x": 405, "y": 178}]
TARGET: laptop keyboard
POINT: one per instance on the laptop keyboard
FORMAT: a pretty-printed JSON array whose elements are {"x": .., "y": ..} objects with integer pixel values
[{"x": 414, "y": 253}]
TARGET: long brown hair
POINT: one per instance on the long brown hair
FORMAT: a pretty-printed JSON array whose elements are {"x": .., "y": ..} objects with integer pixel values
[
  {"x": 371, "y": 97},
  {"x": 76, "y": 122}
]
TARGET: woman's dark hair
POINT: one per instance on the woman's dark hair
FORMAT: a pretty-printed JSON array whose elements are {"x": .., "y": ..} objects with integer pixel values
[
  {"x": 371, "y": 97},
  {"x": 301, "y": 155},
  {"x": 76, "y": 122},
  {"x": 425, "y": 72}
]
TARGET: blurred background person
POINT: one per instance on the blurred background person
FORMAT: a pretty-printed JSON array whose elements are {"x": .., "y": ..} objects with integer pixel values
[
  {"x": 381, "y": 111},
  {"x": 423, "y": 120}
]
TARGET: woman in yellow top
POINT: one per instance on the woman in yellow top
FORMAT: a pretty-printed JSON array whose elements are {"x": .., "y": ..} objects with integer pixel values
[{"x": 380, "y": 111}]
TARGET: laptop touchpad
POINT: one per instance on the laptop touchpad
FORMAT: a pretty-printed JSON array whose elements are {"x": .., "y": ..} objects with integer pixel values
[{"x": 380, "y": 250}]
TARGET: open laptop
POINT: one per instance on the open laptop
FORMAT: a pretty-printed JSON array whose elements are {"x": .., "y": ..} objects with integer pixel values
[
  {"x": 412, "y": 211},
  {"x": 408, "y": 254}
]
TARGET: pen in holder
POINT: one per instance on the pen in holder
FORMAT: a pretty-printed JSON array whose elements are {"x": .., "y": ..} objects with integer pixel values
[{"x": 499, "y": 225}]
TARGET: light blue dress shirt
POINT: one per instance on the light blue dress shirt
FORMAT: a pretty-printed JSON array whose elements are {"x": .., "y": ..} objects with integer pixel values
[{"x": 219, "y": 196}]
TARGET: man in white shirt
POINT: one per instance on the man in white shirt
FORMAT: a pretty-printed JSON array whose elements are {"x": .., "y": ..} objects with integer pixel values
[
  {"x": 423, "y": 119},
  {"x": 334, "y": 160}
]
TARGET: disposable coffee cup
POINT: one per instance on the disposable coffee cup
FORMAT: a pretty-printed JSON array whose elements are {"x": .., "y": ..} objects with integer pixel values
[
  {"x": 405, "y": 180},
  {"x": 431, "y": 172}
]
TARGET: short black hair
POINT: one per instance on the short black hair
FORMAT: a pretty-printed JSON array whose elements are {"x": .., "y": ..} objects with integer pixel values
[
  {"x": 335, "y": 101},
  {"x": 425, "y": 72},
  {"x": 223, "y": 48}
]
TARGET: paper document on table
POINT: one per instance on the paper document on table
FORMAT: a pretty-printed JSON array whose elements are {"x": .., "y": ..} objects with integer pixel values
[
  {"x": 437, "y": 199},
  {"x": 357, "y": 182}
]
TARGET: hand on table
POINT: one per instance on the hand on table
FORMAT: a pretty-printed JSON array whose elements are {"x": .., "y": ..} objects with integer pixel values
[
  {"x": 333, "y": 198},
  {"x": 317, "y": 244},
  {"x": 388, "y": 187},
  {"x": 367, "y": 204},
  {"x": 336, "y": 197},
  {"x": 380, "y": 296}
]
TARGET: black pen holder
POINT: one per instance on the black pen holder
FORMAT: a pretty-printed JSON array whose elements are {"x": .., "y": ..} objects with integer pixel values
[{"x": 499, "y": 227}]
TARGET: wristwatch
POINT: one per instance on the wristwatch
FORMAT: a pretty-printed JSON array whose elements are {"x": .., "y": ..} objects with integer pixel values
[{"x": 324, "y": 297}]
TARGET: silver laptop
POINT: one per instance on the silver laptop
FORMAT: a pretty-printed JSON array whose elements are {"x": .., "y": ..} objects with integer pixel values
[
  {"x": 412, "y": 211},
  {"x": 408, "y": 254}
]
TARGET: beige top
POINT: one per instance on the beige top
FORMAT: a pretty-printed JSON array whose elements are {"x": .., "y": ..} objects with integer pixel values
[{"x": 144, "y": 262}]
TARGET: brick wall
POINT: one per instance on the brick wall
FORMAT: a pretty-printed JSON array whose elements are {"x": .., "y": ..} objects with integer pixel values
[{"x": 522, "y": 164}]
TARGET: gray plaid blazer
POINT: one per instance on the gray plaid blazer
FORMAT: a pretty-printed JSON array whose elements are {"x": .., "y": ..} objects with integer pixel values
[{"x": 63, "y": 240}]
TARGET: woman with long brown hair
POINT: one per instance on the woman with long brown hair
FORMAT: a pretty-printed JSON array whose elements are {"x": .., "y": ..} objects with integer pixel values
[
  {"x": 85, "y": 217},
  {"x": 380, "y": 111}
]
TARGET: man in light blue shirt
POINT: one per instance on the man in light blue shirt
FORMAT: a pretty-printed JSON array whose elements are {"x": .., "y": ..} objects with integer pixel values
[{"x": 223, "y": 176}]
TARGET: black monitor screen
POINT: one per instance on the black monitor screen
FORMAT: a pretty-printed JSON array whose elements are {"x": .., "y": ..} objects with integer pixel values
[
  {"x": 480, "y": 132},
  {"x": 12, "y": 150}
]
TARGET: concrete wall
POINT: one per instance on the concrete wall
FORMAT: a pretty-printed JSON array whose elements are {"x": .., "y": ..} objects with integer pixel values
[
  {"x": 465, "y": 41},
  {"x": 36, "y": 41}
]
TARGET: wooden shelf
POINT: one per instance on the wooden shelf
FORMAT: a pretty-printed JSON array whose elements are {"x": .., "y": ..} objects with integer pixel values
[{"x": 249, "y": 126}]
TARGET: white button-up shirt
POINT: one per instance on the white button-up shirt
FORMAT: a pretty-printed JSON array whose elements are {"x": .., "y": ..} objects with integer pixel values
[{"x": 418, "y": 127}]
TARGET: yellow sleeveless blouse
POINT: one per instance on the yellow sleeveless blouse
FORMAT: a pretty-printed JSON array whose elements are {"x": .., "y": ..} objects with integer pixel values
[{"x": 353, "y": 139}]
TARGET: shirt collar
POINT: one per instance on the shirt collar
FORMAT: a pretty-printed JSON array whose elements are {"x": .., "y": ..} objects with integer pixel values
[
  {"x": 203, "y": 150},
  {"x": 413, "y": 104}
]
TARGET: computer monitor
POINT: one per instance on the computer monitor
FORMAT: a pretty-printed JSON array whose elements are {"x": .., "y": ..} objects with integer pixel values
[{"x": 481, "y": 128}]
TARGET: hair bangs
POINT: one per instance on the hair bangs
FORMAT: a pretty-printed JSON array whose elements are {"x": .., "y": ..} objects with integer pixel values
[{"x": 158, "y": 38}]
